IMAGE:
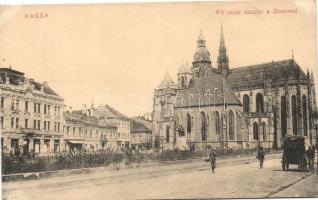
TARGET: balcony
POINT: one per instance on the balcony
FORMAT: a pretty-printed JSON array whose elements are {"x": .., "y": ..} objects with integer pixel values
[{"x": 256, "y": 115}]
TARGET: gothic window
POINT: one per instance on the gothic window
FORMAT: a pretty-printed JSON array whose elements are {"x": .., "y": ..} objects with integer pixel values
[
  {"x": 189, "y": 124},
  {"x": 283, "y": 115},
  {"x": 203, "y": 126},
  {"x": 192, "y": 122},
  {"x": 246, "y": 103},
  {"x": 231, "y": 125},
  {"x": 167, "y": 134},
  {"x": 305, "y": 115},
  {"x": 255, "y": 131},
  {"x": 217, "y": 122},
  {"x": 182, "y": 82},
  {"x": 259, "y": 103},
  {"x": 264, "y": 131},
  {"x": 176, "y": 126},
  {"x": 294, "y": 114}
]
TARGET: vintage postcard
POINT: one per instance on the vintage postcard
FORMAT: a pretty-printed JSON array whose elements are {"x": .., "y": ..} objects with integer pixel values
[{"x": 170, "y": 100}]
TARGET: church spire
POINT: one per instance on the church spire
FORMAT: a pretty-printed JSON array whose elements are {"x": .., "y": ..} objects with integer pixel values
[
  {"x": 222, "y": 42},
  {"x": 223, "y": 60}
]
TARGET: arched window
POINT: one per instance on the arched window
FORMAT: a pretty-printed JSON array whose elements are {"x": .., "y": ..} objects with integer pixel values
[
  {"x": 255, "y": 131},
  {"x": 182, "y": 82},
  {"x": 203, "y": 126},
  {"x": 264, "y": 131},
  {"x": 176, "y": 126},
  {"x": 246, "y": 103},
  {"x": 231, "y": 125},
  {"x": 305, "y": 115},
  {"x": 189, "y": 123},
  {"x": 294, "y": 114},
  {"x": 259, "y": 103},
  {"x": 283, "y": 114},
  {"x": 217, "y": 122},
  {"x": 167, "y": 134}
]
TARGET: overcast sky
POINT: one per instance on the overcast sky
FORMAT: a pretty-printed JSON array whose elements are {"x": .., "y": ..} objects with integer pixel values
[{"x": 117, "y": 54}]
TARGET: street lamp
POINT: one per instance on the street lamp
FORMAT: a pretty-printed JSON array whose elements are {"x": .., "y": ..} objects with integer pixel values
[{"x": 315, "y": 123}]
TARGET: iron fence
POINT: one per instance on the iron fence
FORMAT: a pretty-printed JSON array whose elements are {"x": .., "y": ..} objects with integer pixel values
[{"x": 21, "y": 164}]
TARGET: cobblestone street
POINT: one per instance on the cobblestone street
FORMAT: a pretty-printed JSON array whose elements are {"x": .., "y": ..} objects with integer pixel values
[{"x": 235, "y": 177}]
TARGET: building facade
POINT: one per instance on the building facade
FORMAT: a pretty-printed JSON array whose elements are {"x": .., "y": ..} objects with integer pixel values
[
  {"x": 233, "y": 108},
  {"x": 108, "y": 115},
  {"x": 140, "y": 136},
  {"x": 31, "y": 115},
  {"x": 85, "y": 133}
]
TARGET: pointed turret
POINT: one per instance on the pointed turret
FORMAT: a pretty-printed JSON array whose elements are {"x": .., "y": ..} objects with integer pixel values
[
  {"x": 223, "y": 60},
  {"x": 167, "y": 82}
]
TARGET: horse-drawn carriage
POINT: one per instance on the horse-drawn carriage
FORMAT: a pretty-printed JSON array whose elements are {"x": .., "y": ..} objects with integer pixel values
[{"x": 294, "y": 153}]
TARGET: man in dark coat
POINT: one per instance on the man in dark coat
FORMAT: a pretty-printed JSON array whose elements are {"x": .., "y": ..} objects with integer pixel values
[
  {"x": 212, "y": 156},
  {"x": 261, "y": 156}
]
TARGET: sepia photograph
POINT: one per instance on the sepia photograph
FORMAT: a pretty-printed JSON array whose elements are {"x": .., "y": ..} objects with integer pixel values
[{"x": 159, "y": 100}]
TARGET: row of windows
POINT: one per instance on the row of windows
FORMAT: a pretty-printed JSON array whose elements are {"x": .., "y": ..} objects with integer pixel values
[
  {"x": 297, "y": 108},
  {"x": 256, "y": 130},
  {"x": 87, "y": 133},
  {"x": 204, "y": 125},
  {"x": 259, "y": 103},
  {"x": 15, "y": 123},
  {"x": 15, "y": 103}
]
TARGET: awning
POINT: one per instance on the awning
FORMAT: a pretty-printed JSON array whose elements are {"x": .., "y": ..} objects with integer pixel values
[{"x": 75, "y": 141}]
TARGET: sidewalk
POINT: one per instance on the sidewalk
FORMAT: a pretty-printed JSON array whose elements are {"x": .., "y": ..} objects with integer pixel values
[
  {"x": 143, "y": 168},
  {"x": 306, "y": 188}
]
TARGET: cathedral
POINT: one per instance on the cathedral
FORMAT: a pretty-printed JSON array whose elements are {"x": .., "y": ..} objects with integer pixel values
[{"x": 233, "y": 108}]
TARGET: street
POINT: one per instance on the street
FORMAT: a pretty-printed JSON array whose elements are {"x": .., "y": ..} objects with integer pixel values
[{"x": 234, "y": 177}]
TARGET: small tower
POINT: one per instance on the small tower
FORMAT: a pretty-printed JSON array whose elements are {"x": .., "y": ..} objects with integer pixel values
[
  {"x": 223, "y": 60},
  {"x": 201, "y": 63},
  {"x": 163, "y": 111},
  {"x": 184, "y": 75}
]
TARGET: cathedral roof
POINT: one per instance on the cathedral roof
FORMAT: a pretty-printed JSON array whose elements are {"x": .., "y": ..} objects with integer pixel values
[
  {"x": 256, "y": 74},
  {"x": 167, "y": 82},
  {"x": 201, "y": 93}
]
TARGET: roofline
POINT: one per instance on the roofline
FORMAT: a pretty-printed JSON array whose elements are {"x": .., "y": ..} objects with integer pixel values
[{"x": 257, "y": 65}]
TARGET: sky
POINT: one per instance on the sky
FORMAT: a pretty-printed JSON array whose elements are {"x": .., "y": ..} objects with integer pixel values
[{"x": 117, "y": 54}]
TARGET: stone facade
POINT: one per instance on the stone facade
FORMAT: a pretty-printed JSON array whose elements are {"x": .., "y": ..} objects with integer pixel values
[
  {"x": 140, "y": 136},
  {"x": 31, "y": 115},
  {"x": 233, "y": 108},
  {"x": 108, "y": 115},
  {"x": 87, "y": 133}
]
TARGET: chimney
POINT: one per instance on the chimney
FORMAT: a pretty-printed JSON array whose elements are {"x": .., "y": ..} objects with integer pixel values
[
  {"x": 7, "y": 80},
  {"x": 42, "y": 88}
]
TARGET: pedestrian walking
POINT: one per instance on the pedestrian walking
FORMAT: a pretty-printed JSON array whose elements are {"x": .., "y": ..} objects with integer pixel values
[
  {"x": 261, "y": 156},
  {"x": 212, "y": 157}
]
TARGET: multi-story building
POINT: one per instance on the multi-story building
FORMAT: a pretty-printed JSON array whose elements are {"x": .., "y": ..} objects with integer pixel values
[
  {"x": 240, "y": 107},
  {"x": 83, "y": 132},
  {"x": 31, "y": 114},
  {"x": 140, "y": 136},
  {"x": 115, "y": 118}
]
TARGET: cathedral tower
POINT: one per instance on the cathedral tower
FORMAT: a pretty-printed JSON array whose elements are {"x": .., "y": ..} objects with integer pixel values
[
  {"x": 201, "y": 63},
  {"x": 223, "y": 60}
]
